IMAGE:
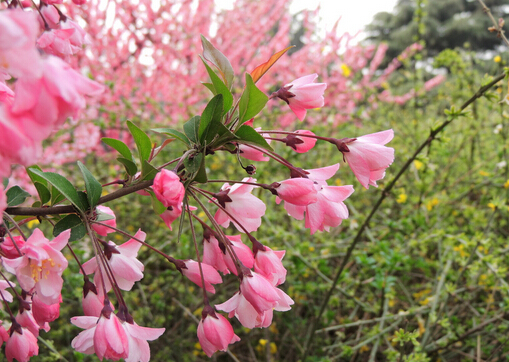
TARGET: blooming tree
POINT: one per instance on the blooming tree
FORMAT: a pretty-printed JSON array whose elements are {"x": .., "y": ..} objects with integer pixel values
[{"x": 36, "y": 43}]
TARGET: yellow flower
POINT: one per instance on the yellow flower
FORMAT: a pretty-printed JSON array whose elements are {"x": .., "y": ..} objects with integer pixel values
[
  {"x": 346, "y": 70},
  {"x": 273, "y": 348},
  {"x": 418, "y": 164},
  {"x": 32, "y": 223},
  {"x": 492, "y": 206},
  {"x": 497, "y": 59},
  {"x": 484, "y": 173},
  {"x": 311, "y": 248},
  {"x": 401, "y": 198},
  {"x": 506, "y": 184}
]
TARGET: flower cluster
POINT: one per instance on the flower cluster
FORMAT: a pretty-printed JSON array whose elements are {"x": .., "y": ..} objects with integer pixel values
[{"x": 47, "y": 91}]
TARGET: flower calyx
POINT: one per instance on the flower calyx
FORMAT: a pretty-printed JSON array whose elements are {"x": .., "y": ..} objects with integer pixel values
[{"x": 284, "y": 94}]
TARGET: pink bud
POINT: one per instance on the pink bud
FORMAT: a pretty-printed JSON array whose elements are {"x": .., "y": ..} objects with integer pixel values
[
  {"x": 301, "y": 144},
  {"x": 210, "y": 275},
  {"x": 298, "y": 191},
  {"x": 268, "y": 264},
  {"x": 215, "y": 333},
  {"x": 104, "y": 215},
  {"x": 168, "y": 189}
]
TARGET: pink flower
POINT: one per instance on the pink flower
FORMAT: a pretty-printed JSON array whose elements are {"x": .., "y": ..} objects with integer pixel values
[
  {"x": 239, "y": 307},
  {"x": 93, "y": 299},
  {"x": 300, "y": 144},
  {"x": 213, "y": 254},
  {"x": 18, "y": 32},
  {"x": 328, "y": 210},
  {"x": 242, "y": 251},
  {"x": 106, "y": 216},
  {"x": 168, "y": 189},
  {"x": 298, "y": 191},
  {"x": 210, "y": 275},
  {"x": 21, "y": 345},
  {"x": 46, "y": 102},
  {"x": 367, "y": 156},
  {"x": 8, "y": 248},
  {"x": 106, "y": 337},
  {"x": 44, "y": 313},
  {"x": 259, "y": 292},
  {"x": 139, "y": 351},
  {"x": 219, "y": 257},
  {"x": 240, "y": 204},
  {"x": 41, "y": 266},
  {"x": 268, "y": 264},
  {"x": 249, "y": 152},
  {"x": 172, "y": 214},
  {"x": 302, "y": 94},
  {"x": 56, "y": 42},
  {"x": 215, "y": 333},
  {"x": 123, "y": 263},
  {"x": 4, "y": 285}
]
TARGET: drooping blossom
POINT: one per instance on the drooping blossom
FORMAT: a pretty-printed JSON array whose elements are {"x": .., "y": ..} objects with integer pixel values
[
  {"x": 173, "y": 213},
  {"x": 239, "y": 203},
  {"x": 242, "y": 251},
  {"x": 259, "y": 292},
  {"x": 10, "y": 246},
  {"x": 367, "y": 156},
  {"x": 268, "y": 264},
  {"x": 106, "y": 216},
  {"x": 126, "y": 268},
  {"x": 44, "y": 313},
  {"x": 328, "y": 210},
  {"x": 106, "y": 337},
  {"x": 298, "y": 191},
  {"x": 302, "y": 94},
  {"x": 215, "y": 333},
  {"x": 57, "y": 42},
  {"x": 21, "y": 345},
  {"x": 300, "y": 144},
  {"x": 251, "y": 153},
  {"x": 4, "y": 285},
  {"x": 139, "y": 350},
  {"x": 239, "y": 307},
  {"x": 93, "y": 299},
  {"x": 18, "y": 33},
  {"x": 218, "y": 256},
  {"x": 26, "y": 319},
  {"x": 168, "y": 189},
  {"x": 191, "y": 270},
  {"x": 40, "y": 267}
]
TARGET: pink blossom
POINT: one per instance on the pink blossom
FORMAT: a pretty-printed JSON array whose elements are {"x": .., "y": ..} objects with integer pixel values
[
  {"x": 4, "y": 285},
  {"x": 368, "y": 157},
  {"x": 239, "y": 307},
  {"x": 10, "y": 250},
  {"x": 168, "y": 189},
  {"x": 126, "y": 268},
  {"x": 268, "y": 264},
  {"x": 56, "y": 42},
  {"x": 104, "y": 212},
  {"x": 302, "y": 94},
  {"x": 106, "y": 337},
  {"x": 298, "y": 191},
  {"x": 40, "y": 267},
  {"x": 210, "y": 275},
  {"x": 240, "y": 204},
  {"x": 139, "y": 350},
  {"x": 300, "y": 144},
  {"x": 249, "y": 152},
  {"x": 46, "y": 102},
  {"x": 219, "y": 257},
  {"x": 18, "y": 32},
  {"x": 242, "y": 251},
  {"x": 259, "y": 292},
  {"x": 44, "y": 313},
  {"x": 26, "y": 319},
  {"x": 93, "y": 299},
  {"x": 215, "y": 333},
  {"x": 213, "y": 254},
  {"x": 50, "y": 14},
  {"x": 173, "y": 213},
  {"x": 21, "y": 345}
]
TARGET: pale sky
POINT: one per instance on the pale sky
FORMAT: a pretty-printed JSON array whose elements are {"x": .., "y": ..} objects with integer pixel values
[{"x": 354, "y": 14}]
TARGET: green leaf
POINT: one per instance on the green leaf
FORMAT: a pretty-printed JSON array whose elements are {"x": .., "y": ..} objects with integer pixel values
[
  {"x": 157, "y": 205},
  {"x": 248, "y": 135},
  {"x": 210, "y": 87},
  {"x": 84, "y": 199},
  {"x": 223, "y": 133},
  {"x": 173, "y": 133},
  {"x": 196, "y": 167},
  {"x": 63, "y": 186},
  {"x": 211, "y": 115},
  {"x": 16, "y": 195},
  {"x": 252, "y": 101},
  {"x": 5, "y": 182},
  {"x": 43, "y": 191},
  {"x": 73, "y": 222},
  {"x": 56, "y": 196},
  {"x": 93, "y": 187},
  {"x": 142, "y": 141},
  {"x": 219, "y": 60},
  {"x": 120, "y": 146},
  {"x": 220, "y": 88},
  {"x": 191, "y": 129},
  {"x": 130, "y": 166},
  {"x": 148, "y": 172}
]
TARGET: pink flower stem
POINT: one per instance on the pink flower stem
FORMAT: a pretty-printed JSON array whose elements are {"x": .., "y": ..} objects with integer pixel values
[
  {"x": 13, "y": 242},
  {"x": 6, "y": 215},
  {"x": 77, "y": 261},
  {"x": 15, "y": 292},
  {"x": 46, "y": 26},
  {"x": 233, "y": 255},
  {"x": 281, "y": 160},
  {"x": 189, "y": 213},
  {"x": 134, "y": 238}
]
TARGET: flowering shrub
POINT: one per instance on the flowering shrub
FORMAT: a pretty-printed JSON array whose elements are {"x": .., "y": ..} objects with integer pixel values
[{"x": 47, "y": 92}]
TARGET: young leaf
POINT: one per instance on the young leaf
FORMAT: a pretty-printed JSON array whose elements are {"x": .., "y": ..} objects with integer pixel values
[
  {"x": 120, "y": 146},
  {"x": 193, "y": 164},
  {"x": 219, "y": 60},
  {"x": 130, "y": 166},
  {"x": 211, "y": 114},
  {"x": 43, "y": 192},
  {"x": 142, "y": 141},
  {"x": 260, "y": 70},
  {"x": 248, "y": 135},
  {"x": 73, "y": 222},
  {"x": 93, "y": 187},
  {"x": 16, "y": 195},
  {"x": 252, "y": 101},
  {"x": 148, "y": 172},
  {"x": 173, "y": 133},
  {"x": 210, "y": 87},
  {"x": 220, "y": 88},
  {"x": 63, "y": 186},
  {"x": 191, "y": 129}
]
